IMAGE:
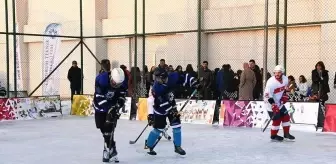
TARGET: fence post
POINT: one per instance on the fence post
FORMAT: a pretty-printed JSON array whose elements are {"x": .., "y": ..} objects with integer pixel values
[
  {"x": 81, "y": 43},
  {"x": 143, "y": 36},
  {"x": 135, "y": 42},
  {"x": 265, "y": 55},
  {"x": 7, "y": 47},
  {"x": 285, "y": 35},
  {"x": 14, "y": 46},
  {"x": 277, "y": 33},
  {"x": 199, "y": 33}
]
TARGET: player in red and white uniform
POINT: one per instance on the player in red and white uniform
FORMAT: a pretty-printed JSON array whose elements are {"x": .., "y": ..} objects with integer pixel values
[{"x": 275, "y": 97}]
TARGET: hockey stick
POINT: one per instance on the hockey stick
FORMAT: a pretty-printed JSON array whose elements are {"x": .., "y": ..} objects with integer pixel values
[
  {"x": 133, "y": 142},
  {"x": 269, "y": 121}
]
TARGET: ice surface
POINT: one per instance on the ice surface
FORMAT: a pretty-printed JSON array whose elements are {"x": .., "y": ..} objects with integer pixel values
[{"x": 75, "y": 140}]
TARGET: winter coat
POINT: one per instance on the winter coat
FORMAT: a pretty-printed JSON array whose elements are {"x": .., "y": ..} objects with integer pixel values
[{"x": 247, "y": 84}]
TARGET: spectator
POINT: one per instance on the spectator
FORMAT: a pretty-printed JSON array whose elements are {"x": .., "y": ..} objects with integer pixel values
[
  {"x": 190, "y": 71},
  {"x": 259, "y": 83},
  {"x": 320, "y": 87},
  {"x": 262, "y": 73},
  {"x": 206, "y": 80},
  {"x": 335, "y": 81},
  {"x": 303, "y": 86},
  {"x": 134, "y": 90},
  {"x": 170, "y": 69},
  {"x": 227, "y": 87},
  {"x": 74, "y": 76},
  {"x": 151, "y": 76},
  {"x": 247, "y": 83},
  {"x": 145, "y": 80},
  {"x": 180, "y": 89},
  {"x": 127, "y": 76},
  {"x": 320, "y": 81},
  {"x": 237, "y": 81},
  {"x": 291, "y": 84},
  {"x": 163, "y": 65}
]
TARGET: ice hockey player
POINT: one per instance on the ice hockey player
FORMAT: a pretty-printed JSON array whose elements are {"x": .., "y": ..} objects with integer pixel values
[
  {"x": 275, "y": 97},
  {"x": 165, "y": 106},
  {"x": 109, "y": 98},
  {"x": 150, "y": 106}
]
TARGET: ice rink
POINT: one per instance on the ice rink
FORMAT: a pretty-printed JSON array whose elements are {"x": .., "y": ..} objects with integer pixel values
[{"x": 74, "y": 140}]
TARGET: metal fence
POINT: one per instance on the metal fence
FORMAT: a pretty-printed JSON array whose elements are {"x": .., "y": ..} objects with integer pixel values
[{"x": 135, "y": 33}]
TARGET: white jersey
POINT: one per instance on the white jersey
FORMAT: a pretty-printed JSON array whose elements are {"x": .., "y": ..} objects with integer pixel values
[{"x": 274, "y": 89}]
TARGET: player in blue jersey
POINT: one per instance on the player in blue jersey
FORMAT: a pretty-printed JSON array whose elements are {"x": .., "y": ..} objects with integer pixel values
[
  {"x": 165, "y": 106},
  {"x": 109, "y": 98}
]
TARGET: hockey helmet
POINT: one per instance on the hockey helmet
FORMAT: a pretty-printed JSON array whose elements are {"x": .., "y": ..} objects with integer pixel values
[
  {"x": 279, "y": 68},
  {"x": 117, "y": 77},
  {"x": 161, "y": 75}
]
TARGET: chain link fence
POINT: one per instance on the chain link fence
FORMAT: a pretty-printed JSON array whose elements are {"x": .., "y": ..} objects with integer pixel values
[{"x": 137, "y": 34}]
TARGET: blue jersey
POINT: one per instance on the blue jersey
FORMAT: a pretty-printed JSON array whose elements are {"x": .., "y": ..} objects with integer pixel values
[
  {"x": 105, "y": 95},
  {"x": 164, "y": 99}
]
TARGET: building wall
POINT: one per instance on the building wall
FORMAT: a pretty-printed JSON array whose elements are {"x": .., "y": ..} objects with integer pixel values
[{"x": 306, "y": 45}]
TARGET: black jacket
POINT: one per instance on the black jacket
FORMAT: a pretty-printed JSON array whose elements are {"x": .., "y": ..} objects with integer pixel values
[
  {"x": 74, "y": 76},
  {"x": 320, "y": 82}
]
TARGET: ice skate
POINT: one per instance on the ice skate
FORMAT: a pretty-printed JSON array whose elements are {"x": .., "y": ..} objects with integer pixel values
[
  {"x": 289, "y": 137},
  {"x": 106, "y": 156},
  {"x": 179, "y": 150},
  {"x": 215, "y": 124},
  {"x": 277, "y": 138},
  {"x": 151, "y": 152}
]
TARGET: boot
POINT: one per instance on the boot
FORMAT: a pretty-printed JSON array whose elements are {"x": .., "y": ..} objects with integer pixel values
[
  {"x": 179, "y": 150},
  {"x": 277, "y": 138}
]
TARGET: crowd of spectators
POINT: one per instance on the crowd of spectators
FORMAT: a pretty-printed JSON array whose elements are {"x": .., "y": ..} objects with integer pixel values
[{"x": 226, "y": 84}]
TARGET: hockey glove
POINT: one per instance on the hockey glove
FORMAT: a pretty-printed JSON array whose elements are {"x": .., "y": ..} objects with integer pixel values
[
  {"x": 150, "y": 119},
  {"x": 284, "y": 99},
  {"x": 121, "y": 102},
  {"x": 113, "y": 113},
  {"x": 275, "y": 109},
  {"x": 175, "y": 113}
]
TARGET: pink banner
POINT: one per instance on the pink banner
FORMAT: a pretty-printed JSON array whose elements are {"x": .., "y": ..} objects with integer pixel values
[
  {"x": 237, "y": 114},
  {"x": 7, "y": 108}
]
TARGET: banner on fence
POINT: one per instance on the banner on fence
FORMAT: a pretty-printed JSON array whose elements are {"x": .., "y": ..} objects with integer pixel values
[
  {"x": 82, "y": 106},
  {"x": 195, "y": 112},
  {"x": 50, "y": 58},
  {"x": 254, "y": 113},
  {"x": 29, "y": 108},
  {"x": 330, "y": 118}
]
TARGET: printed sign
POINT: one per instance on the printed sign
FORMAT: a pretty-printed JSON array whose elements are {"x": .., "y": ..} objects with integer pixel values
[
  {"x": 7, "y": 108},
  {"x": 82, "y": 106},
  {"x": 142, "y": 111},
  {"x": 254, "y": 113},
  {"x": 195, "y": 112},
  {"x": 30, "y": 108}
]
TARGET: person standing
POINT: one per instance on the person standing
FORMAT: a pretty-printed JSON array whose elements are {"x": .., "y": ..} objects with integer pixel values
[
  {"x": 74, "y": 76},
  {"x": 247, "y": 83},
  {"x": 259, "y": 84},
  {"x": 206, "y": 76},
  {"x": 320, "y": 87}
]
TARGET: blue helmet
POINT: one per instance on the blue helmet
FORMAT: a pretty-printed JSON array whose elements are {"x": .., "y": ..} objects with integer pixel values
[{"x": 161, "y": 73}]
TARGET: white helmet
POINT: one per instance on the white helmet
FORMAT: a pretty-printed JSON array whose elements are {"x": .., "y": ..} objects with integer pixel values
[
  {"x": 279, "y": 68},
  {"x": 117, "y": 77}
]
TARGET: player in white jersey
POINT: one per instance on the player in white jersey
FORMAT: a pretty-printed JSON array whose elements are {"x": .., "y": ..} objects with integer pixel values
[{"x": 275, "y": 96}]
